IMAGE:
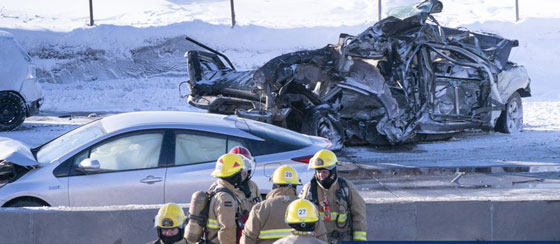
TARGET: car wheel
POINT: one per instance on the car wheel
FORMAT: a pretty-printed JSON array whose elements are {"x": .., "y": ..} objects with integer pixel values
[
  {"x": 12, "y": 111},
  {"x": 511, "y": 119},
  {"x": 321, "y": 122},
  {"x": 26, "y": 203}
]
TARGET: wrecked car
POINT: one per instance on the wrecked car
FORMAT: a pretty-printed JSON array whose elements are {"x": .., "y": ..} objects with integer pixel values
[{"x": 404, "y": 79}]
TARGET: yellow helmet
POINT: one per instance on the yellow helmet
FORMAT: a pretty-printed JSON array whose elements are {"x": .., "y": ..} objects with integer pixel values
[
  {"x": 170, "y": 216},
  {"x": 324, "y": 159},
  {"x": 228, "y": 165},
  {"x": 301, "y": 211},
  {"x": 285, "y": 175}
]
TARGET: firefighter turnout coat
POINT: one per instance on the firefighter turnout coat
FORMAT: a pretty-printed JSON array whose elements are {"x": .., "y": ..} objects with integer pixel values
[
  {"x": 255, "y": 194},
  {"x": 266, "y": 222},
  {"x": 342, "y": 209},
  {"x": 299, "y": 238},
  {"x": 224, "y": 213}
]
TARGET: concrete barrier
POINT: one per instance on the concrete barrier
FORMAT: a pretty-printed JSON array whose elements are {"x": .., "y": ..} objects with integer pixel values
[{"x": 441, "y": 220}]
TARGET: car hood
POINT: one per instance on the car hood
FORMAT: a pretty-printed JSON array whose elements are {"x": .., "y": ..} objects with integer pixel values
[{"x": 16, "y": 152}]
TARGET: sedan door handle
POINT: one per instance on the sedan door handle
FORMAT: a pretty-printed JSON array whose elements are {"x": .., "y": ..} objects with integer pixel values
[{"x": 150, "y": 179}]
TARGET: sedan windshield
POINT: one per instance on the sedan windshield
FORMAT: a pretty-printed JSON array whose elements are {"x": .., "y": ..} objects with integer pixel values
[{"x": 69, "y": 141}]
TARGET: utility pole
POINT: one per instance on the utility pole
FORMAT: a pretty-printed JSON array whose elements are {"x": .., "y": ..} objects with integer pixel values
[
  {"x": 232, "y": 14},
  {"x": 91, "y": 12},
  {"x": 516, "y": 10},
  {"x": 379, "y": 9}
]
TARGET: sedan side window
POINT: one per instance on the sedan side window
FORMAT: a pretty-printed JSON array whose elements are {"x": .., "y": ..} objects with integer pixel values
[
  {"x": 234, "y": 142},
  {"x": 131, "y": 152},
  {"x": 196, "y": 148},
  {"x": 192, "y": 147}
]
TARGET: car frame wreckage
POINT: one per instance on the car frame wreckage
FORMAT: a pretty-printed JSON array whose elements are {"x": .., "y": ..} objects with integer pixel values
[{"x": 404, "y": 79}]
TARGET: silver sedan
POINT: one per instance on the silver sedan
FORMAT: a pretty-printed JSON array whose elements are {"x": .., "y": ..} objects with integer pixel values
[{"x": 143, "y": 158}]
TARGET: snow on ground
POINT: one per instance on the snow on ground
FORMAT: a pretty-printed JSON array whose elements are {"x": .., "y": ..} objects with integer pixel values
[
  {"x": 132, "y": 58},
  {"x": 96, "y": 96}
]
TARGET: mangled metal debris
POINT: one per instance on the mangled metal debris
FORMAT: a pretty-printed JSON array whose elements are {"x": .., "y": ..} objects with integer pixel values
[{"x": 404, "y": 79}]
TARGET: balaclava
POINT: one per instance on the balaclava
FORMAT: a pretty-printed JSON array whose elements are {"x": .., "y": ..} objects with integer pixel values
[
  {"x": 171, "y": 239},
  {"x": 235, "y": 179},
  {"x": 327, "y": 182}
]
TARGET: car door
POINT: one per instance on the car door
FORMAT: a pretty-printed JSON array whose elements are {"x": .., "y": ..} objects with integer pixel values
[
  {"x": 131, "y": 171},
  {"x": 194, "y": 155},
  {"x": 459, "y": 87}
]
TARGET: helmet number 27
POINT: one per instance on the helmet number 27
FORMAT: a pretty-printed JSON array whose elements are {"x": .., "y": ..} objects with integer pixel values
[{"x": 302, "y": 212}]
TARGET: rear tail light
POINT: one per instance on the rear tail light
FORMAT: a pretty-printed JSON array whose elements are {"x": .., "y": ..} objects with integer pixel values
[{"x": 304, "y": 159}]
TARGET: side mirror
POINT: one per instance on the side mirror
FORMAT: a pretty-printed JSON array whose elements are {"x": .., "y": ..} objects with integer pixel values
[{"x": 89, "y": 166}]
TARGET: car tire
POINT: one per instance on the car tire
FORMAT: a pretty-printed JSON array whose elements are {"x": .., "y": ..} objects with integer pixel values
[
  {"x": 511, "y": 119},
  {"x": 26, "y": 203},
  {"x": 320, "y": 121},
  {"x": 12, "y": 111}
]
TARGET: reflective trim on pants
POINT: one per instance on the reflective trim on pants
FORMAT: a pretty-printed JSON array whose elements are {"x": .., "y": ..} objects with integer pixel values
[{"x": 360, "y": 236}]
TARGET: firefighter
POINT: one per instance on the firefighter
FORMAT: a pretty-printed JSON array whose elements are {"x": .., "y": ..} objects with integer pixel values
[
  {"x": 227, "y": 211},
  {"x": 248, "y": 186},
  {"x": 302, "y": 217},
  {"x": 169, "y": 223},
  {"x": 266, "y": 220},
  {"x": 340, "y": 206}
]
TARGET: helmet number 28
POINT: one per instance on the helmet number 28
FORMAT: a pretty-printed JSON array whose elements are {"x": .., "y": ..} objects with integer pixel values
[{"x": 288, "y": 175}]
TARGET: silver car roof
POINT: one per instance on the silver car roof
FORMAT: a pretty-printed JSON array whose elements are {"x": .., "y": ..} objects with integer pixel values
[{"x": 233, "y": 124}]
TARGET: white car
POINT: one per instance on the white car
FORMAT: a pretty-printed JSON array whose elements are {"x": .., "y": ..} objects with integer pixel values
[
  {"x": 20, "y": 93},
  {"x": 144, "y": 158}
]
